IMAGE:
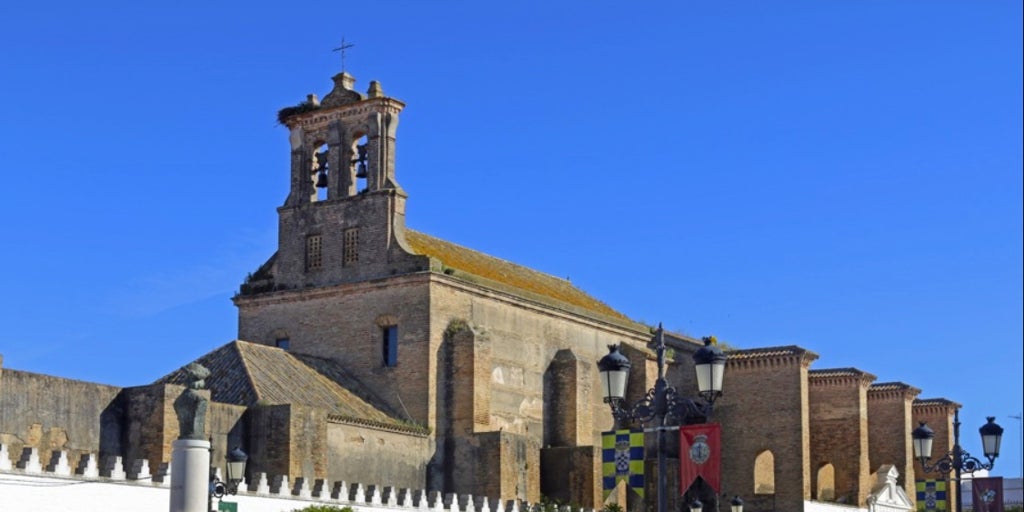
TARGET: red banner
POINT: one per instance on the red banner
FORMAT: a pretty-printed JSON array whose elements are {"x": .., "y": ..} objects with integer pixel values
[
  {"x": 987, "y": 494},
  {"x": 700, "y": 454}
]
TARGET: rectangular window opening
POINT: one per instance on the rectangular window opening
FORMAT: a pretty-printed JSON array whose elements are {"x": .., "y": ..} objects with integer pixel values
[
  {"x": 284, "y": 343},
  {"x": 314, "y": 252},
  {"x": 350, "y": 249},
  {"x": 389, "y": 345}
]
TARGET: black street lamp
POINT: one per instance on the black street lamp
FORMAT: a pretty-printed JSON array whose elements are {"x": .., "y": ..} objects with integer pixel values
[
  {"x": 957, "y": 461},
  {"x": 236, "y": 460},
  {"x": 662, "y": 402},
  {"x": 736, "y": 504}
]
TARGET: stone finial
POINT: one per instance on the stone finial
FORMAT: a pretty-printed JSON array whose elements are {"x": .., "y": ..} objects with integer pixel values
[
  {"x": 375, "y": 90},
  {"x": 139, "y": 470},
  {"x": 313, "y": 100},
  {"x": 320, "y": 488},
  {"x": 5, "y": 457},
  {"x": 87, "y": 466},
  {"x": 340, "y": 491},
  {"x": 163, "y": 474},
  {"x": 344, "y": 81},
  {"x": 30, "y": 461},
  {"x": 279, "y": 486},
  {"x": 302, "y": 489},
  {"x": 113, "y": 468},
  {"x": 59, "y": 463},
  {"x": 262, "y": 487},
  {"x": 375, "y": 497},
  {"x": 191, "y": 405}
]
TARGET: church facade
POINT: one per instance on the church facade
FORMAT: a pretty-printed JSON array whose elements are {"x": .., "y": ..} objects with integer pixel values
[{"x": 370, "y": 352}]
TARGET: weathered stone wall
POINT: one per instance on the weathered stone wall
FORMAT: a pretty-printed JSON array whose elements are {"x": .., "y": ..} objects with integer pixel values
[
  {"x": 518, "y": 379},
  {"x": 53, "y": 413},
  {"x": 839, "y": 434},
  {"x": 150, "y": 422},
  {"x": 288, "y": 439},
  {"x": 572, "y": 475},
  {"x": 889, "y": 426},
  {"x": 379, "y": 251},
  {"x": 764, "y": 408},
  {"x": 375, "y": 456}
]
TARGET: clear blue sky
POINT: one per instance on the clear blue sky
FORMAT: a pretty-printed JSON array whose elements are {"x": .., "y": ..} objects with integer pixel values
[{"x": 845, "y": 176}]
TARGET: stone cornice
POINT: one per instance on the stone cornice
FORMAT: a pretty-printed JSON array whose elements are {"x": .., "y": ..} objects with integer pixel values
[
  {"x": 892, "y": 391},
  {"x": 839, "y": 377},
  {"x": 487, "y": 288},
  {"x": 940, "y": 405},
  {"x": 322, "y": 117},
  {"x": 769, "y": 357}
]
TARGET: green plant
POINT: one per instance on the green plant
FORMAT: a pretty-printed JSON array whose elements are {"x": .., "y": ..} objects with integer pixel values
[
  {"x": 612, "y": 507},
  {"x": 323, "y": 508}
]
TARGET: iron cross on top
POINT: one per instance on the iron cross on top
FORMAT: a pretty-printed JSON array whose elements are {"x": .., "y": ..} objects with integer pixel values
[{"x": 341, "y": 49}]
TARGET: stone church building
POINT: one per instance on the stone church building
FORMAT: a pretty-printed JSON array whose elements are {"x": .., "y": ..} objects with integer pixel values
[{"x": 369, "y": 352}]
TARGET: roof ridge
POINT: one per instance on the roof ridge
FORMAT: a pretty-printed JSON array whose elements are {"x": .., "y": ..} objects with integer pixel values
[{"x": 245, "y": 367}]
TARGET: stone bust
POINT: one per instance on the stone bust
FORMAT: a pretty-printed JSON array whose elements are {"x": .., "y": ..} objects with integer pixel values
[{"x": 191, "y": 405}]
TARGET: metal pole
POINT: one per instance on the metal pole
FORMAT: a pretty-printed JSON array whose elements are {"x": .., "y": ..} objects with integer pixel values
[
  {"x": 957, "y": 460},
  {"x": 662, "y": 469},
  {"x": 660, "y": 401}
]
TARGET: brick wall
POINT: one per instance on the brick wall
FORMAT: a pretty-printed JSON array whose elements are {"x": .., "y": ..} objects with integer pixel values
[
  {"x": 889, "y": 426},
  {"x": 839, "y": 434},
  {"x": 344, "y": 323},
  {"x": 764, "y": 407}
]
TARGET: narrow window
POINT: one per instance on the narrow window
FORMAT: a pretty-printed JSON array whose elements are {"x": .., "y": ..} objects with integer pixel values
[
  {"x": 350, "y": 250},
  {"x": 314, "y": 253},
  {"x": 389, "y": 345},
  {"x": 284, "y": 343}
]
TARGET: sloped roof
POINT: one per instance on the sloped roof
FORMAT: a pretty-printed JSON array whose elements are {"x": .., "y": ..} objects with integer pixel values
[
  {"x": 250, "y": 374},
  {"x": 466, "y": 260}
]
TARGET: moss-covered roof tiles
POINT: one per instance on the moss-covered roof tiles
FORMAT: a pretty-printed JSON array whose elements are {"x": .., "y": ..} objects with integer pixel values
[
  {"x": 463, "y": 260},
  {"x": 249, "y": 374}
]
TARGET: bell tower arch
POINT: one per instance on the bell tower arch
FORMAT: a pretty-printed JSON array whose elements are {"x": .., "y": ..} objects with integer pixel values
[
  {"x": 344, "y": 217},
  {"x": 340, "y": 141}
]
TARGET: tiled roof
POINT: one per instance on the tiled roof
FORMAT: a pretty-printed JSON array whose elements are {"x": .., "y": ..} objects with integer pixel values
[
  {"x": 891, "y": 386},
  {"x": 462, "y": 259},
  {"x": 249, "y": 374},
  {"x": 759, "y": 353},
  {"x": 837, "y": 372},
  {"x": 924, "y": 402}
]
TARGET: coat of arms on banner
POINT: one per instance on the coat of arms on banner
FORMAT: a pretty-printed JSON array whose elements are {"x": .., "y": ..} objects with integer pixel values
[
  {"x": 700, "y": 452},
  {"x": 622, "y": 458}
]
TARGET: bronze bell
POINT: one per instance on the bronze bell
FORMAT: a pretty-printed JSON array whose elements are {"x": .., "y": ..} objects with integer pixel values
[
  {"x": 321, "y": 179},
  {"x": 361, "y": 170}
]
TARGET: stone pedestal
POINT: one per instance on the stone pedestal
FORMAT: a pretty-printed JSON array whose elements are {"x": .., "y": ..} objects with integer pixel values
[{"x": 190, "y": 475}]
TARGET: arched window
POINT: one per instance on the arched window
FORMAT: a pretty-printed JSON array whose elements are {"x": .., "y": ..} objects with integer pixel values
[
  {"x": 764, "y": 473},
  {"x": 826, "y": 490},
  {"x": 320, "y": 173}
]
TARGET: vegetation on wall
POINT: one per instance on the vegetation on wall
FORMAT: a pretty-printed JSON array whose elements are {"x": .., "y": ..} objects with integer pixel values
[{"x": 288, "y": 112}]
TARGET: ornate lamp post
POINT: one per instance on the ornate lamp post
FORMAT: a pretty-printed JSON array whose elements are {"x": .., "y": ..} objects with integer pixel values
[
  {"x": 662, "y": 402},
  {"x": 236, "y": 460},
  {"x": 957, "y": 461}
]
